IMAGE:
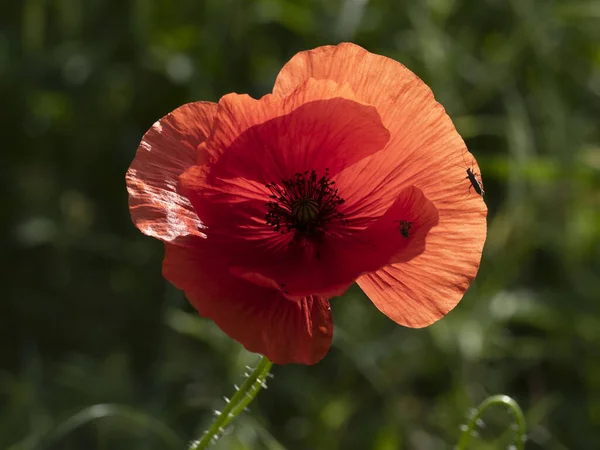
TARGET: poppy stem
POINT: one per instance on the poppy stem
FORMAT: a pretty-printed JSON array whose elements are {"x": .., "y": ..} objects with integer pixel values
[
  {"x": 475, "y": 420},
  {"x": 255, "y": 381}
]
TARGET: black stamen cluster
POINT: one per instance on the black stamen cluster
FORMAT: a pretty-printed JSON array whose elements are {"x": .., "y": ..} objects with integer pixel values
[{"x": 291, "y": 198}]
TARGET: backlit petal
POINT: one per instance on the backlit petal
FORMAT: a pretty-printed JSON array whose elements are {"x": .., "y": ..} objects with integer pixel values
[
  {"x": 418, "y": 292},
  {"x": 157, "y": 207},
  {"x": 233, "y": 210},
  {"x": 319, "y": 126},
  {"x": 257, "y": 316}
]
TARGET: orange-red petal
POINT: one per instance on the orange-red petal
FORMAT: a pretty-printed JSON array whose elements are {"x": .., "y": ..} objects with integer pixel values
[
  {"x": 157, "y": 206},
  {"x": 318, "y": 126},
  {"x": 233, "y": 210},
  {"x": 420, "y": 291},
  {"x": 257, "y": 316},
  {"x": 424, "y": 151}
]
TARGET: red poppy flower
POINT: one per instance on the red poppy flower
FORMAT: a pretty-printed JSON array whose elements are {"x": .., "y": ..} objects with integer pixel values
[{"x": 349, "y": 171}]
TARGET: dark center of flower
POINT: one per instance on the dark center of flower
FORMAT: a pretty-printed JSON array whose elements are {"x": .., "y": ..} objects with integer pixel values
[{"x": 304, "y": 204}]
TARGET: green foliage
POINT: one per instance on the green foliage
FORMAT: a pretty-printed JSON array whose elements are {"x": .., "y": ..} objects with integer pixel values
[{"x": 99, "y": 352}]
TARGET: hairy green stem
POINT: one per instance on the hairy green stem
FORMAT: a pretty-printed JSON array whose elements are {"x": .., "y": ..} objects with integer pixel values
[
  {"x": 245, "y": 394},
  {"x": 476, "y": 417}
]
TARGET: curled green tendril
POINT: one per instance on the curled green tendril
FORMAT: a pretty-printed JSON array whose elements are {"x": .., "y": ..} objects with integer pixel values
[
  {"x": 234, "y": 407},
  {"x": 476, "y": 416}
]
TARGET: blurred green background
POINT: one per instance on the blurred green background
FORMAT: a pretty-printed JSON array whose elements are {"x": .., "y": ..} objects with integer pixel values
[{"x": 99, "y": 352}]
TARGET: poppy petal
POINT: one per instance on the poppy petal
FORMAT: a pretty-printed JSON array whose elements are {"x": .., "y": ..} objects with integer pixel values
[
  {"x": 372, "y": 77},
  {"x": 424, "y": 150},
  {"x": 420, "y": 291},
  {"x": 319, "y": 126},
  {"x": 156, "y": 205},
  {"x": 260, "y": 318},
  {"x": 233, "y": 210}
]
